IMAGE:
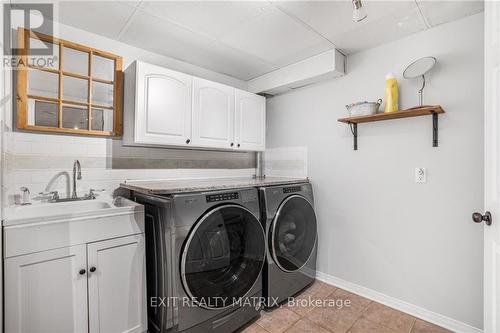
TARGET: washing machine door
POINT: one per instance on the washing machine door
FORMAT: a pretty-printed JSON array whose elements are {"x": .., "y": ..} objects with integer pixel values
[
  {"x": 222, "y": 257},
  {"x": 293, "y": 233}
]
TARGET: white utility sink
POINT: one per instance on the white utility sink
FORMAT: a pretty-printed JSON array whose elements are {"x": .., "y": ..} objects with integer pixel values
[
  {"x": 43, "y": 226},
  {"x": 41, "y": 212}
]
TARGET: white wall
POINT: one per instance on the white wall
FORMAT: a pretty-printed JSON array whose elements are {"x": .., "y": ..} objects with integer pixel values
[
  {"x": 44, "y": 162},
  {"x": 378, "y": 228}
]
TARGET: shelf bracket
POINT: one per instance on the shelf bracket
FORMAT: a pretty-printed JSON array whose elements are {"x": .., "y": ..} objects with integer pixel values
[
  {"x": 434, "y": 129},
  {"x": 354, "y": 131}
]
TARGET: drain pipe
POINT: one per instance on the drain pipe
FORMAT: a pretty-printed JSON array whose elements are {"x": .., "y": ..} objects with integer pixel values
[{"x": 259, "y": 168}]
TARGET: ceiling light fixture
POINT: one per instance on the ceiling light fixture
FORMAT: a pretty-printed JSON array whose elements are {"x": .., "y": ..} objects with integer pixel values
[{"x": 358, "y": 11}]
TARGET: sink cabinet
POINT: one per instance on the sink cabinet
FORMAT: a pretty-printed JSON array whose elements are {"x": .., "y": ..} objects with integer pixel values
[
  {"x": 171, "y": 109},
  {"x": 44, "y": 292},
  {"x": 48, "y": 291},
  {"x": 117, "y": 287},
  {"x": 78, "y": 274}
]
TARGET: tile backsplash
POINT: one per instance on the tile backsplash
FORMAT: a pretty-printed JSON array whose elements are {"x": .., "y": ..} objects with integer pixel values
[
  {"x": 44, "y": 162},
  {"x": 286, "y": 162}
]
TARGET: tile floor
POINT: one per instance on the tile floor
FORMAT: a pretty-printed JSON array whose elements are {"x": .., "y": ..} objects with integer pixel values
[{"x": 337, "y": 311}]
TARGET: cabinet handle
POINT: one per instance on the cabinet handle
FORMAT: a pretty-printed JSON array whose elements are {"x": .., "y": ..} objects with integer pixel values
[
  {"x": 232, "y": 144},
  {"x": 478, "y": 218},
  {"x": 238, "y": 145},
  {"x": 188, "y": 141},
  {"x": 92, "y": 269},
  {"x": 82, "y": 271}
]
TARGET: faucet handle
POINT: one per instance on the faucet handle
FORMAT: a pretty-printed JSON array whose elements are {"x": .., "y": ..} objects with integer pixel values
[
  {"x": 54, "y": 195},
  {"x": 91, "y": 194},
  {"x": 48, "y": 193}
]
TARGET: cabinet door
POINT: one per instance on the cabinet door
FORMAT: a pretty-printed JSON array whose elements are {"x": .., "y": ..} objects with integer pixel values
[
  {"x": 163, "y": 109},
  {"x": 46, "y": 292},
  {"x": 117, "y": 285},
  {"x": 250, "y": 127},
  {"x": 213, "y": 114}
]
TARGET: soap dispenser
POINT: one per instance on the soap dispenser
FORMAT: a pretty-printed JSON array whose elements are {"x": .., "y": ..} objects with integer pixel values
[{"x": 25, "y": 199}]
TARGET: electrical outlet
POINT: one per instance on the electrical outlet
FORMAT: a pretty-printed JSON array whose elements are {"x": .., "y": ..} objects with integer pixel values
[{"x": 420, "y": 175}]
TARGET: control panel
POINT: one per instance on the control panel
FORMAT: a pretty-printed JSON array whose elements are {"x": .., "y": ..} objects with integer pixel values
[
  {"x": 292, "y": 189},
  {"x": 222, "y": 197}
]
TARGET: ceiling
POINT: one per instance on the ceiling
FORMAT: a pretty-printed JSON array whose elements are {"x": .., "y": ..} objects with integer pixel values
[{"x": 246, "y": 39}]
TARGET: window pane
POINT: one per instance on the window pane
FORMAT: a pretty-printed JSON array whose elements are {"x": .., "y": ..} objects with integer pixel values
[
  {"x": 75, "y": 116},
  {"x": 102, "y": 119},
  {"x": 75, "y": 89},
  {"x": 42, "y": 83},
  {"x": 75, "y": 61},
  {"x": 102, "y": 93},
  {"x": 103, "y": 68},
  {"x": 42, "y": 113},
  {"x": 43, "y": 61}
]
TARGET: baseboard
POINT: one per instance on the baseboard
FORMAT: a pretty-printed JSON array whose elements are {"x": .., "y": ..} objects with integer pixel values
[{"x": 414, "y": 310}]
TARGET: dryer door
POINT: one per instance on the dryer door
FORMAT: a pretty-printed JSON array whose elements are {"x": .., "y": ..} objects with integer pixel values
[
  {"x": 223, "y": 257},
  {"x": 293, "y": 233}
]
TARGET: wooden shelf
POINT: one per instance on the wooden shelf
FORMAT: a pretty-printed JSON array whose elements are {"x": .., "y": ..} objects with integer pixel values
[
  {"x": 433, "y": 110},
  {"x": 408, "y": 113}
]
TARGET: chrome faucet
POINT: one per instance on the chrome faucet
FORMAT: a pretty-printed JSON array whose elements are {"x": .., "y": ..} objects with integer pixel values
[{"x": 77, "y": 174}]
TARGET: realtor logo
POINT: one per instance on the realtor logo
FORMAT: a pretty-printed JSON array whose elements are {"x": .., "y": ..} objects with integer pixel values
[{"x": 37, "y": 17}]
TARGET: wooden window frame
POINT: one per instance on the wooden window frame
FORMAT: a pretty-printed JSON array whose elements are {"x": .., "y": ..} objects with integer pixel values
[{"x": 23, "y": 36}]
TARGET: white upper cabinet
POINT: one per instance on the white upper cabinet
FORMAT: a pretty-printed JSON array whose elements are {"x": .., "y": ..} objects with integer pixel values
[
  {"x": 250, "y": 121},
  {"x": 167, "y": 108},
  {"x": 160, "y": 105},
  {"x": 213, "y": 114},
  {"x": 47, "y": 291}
]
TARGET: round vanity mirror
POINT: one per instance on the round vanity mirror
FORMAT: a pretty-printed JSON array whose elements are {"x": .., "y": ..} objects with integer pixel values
[{"x": 417, "y": 69}]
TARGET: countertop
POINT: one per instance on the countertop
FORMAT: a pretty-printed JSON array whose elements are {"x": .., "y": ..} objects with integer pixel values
[{"x": 164, "y": 187}]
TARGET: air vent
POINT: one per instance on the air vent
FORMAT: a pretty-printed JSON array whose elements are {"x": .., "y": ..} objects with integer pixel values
[{"x": 326, "y": 65}]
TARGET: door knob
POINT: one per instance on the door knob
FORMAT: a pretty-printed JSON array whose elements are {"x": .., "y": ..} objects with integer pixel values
[
  {"x": 82, "y": 271},
  {"x": 92, "y": 269},
  {"x": 188, "y": 141},
  {"x": 478, "y": 218}
]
